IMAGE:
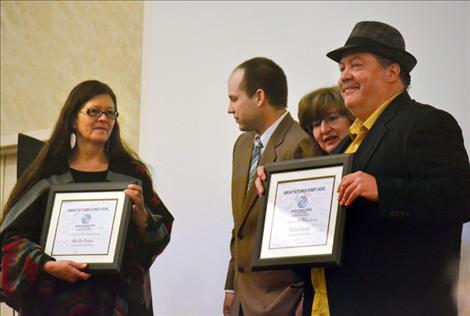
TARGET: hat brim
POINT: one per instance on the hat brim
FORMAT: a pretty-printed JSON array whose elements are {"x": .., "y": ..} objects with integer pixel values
[{"x": 405, "y": 59}]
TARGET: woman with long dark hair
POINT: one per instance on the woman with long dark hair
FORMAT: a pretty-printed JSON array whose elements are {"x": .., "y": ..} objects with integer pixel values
[{"x": 85, "y": 146}]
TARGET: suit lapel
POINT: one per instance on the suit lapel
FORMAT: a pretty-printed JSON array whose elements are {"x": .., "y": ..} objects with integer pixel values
[
  {"x": 241, "y": 165},
  {"x": 244, "y": 164},
  {"x": 342, "y": 146},
  {"x": 374, "y": 136},
  {"x": 269, "y": 155}
]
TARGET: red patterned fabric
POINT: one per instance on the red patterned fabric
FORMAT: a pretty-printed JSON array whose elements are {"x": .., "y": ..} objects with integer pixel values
[{"x": 30, "y": 290}]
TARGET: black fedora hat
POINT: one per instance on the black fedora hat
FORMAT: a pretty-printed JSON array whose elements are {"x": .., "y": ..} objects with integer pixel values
[{"x": 378, "y": 38}]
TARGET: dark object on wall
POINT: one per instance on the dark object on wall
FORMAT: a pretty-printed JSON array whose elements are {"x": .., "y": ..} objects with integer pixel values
[{"x": 28, "y": 149}]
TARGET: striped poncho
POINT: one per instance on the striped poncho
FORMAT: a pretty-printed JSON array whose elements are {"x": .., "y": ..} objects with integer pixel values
[{"x": 30, "y": 290}]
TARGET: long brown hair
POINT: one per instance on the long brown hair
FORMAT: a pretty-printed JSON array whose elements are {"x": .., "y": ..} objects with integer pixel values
[{"x": 56, "y": 152}]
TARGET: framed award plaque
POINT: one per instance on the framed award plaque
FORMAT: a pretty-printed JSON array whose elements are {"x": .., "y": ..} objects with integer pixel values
[
  {"x": 87, "y": 223},
  {"x": 301, "y": 222}
]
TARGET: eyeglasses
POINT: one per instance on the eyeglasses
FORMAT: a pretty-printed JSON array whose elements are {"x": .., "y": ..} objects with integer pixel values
[
  {"x": 330, "y": 119},
  {"x": 111, "y": 115}
]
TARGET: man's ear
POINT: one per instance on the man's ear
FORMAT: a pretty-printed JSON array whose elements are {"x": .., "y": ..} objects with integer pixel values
[
  {"x": 260, "y": 97},
  {"x": 393, "y": 72}
]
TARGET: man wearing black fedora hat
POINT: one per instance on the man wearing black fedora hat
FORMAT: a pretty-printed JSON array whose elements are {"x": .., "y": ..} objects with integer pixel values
[{"x": 409, "y": 191}]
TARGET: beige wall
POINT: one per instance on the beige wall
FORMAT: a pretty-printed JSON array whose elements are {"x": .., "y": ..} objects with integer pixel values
[{"x": 49, "y": 47}]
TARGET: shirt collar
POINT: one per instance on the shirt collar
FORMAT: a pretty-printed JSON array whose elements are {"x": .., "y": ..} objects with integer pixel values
[
  {"x": 269, "y": 132},
  {"x": 359, "y": 125}
]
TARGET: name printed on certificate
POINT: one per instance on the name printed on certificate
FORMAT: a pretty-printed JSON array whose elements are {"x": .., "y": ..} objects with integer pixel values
[
  {"x": 84, "y": 227},
  {"x": 302, "y": 213}
]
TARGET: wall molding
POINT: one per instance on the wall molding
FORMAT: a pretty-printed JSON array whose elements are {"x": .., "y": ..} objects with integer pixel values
[{"x": 9, "y": 142}]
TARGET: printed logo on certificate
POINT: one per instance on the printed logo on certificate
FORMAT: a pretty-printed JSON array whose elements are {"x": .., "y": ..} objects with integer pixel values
[
  {"x": 301, "y": 221},
  {"x": 84, "y": 226},
  {"x": 87, "y": 222}
]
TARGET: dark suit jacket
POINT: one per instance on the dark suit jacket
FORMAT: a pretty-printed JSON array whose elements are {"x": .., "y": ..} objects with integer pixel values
[
  {"x": 269, "y": 292},
  {"x": 398, "y": 250}
]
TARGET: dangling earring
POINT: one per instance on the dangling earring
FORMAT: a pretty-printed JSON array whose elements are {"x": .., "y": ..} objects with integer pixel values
[{"x": 73, "y": 140}]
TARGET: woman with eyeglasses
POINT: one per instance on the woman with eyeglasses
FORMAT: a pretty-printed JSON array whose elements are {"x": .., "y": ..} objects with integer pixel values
[
  {"x": 85, "y": 146},
  {"x": 323, "y": 115}
]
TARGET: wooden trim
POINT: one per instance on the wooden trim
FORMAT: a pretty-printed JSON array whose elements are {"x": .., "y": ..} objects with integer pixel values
[{"x": 8, "y": 142}]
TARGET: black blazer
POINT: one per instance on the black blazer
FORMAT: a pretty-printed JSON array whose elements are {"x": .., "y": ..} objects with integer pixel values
[{"x": 398, "y": 251}]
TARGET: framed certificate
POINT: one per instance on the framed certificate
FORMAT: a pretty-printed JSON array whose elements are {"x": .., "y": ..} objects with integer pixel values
[
  {"x": 87, "y": 223},
  {"x": 301, "y": 221}
]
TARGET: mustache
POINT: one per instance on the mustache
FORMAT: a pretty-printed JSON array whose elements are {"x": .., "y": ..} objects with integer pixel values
[{"x": 348, "y": 84}]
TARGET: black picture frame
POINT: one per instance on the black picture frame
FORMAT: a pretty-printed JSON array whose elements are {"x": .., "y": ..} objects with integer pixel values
[
  {"x": 87, "y": 223},
  {"x": 289, "y": 236}
]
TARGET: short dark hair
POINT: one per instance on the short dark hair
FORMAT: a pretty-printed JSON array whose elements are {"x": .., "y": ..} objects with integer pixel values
[{"x": 263, "y": 73}]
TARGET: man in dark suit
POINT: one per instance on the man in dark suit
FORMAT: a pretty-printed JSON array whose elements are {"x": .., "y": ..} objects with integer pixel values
[
  {"x": 409, "y": 192},
  {"x": 257, "y": 90}
]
